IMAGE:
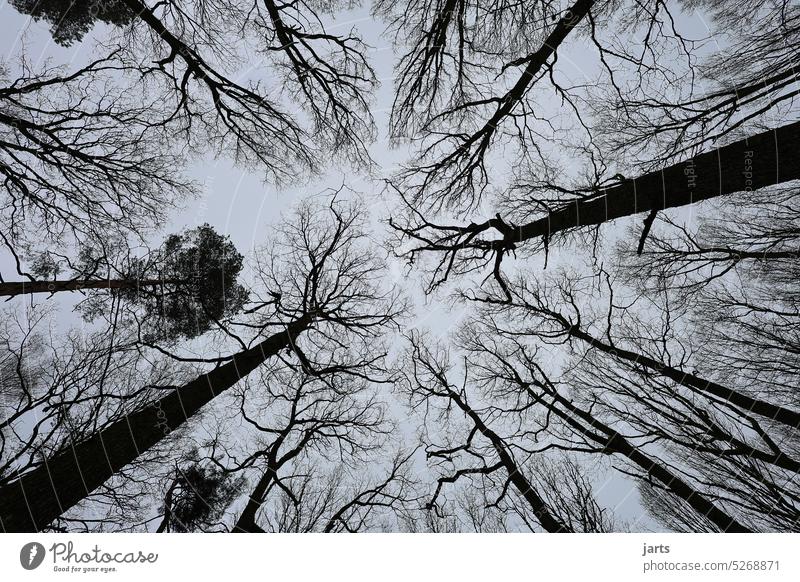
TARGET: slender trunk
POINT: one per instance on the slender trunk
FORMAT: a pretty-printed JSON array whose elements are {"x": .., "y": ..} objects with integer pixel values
[
  {"x": 29, "y": 287},
  {"x": 162, "y": 527},
  {"x": 547, "y": 520},
  {"x": 766, "y": 409},
  {"x": 747, "y": 403},
  {"x": 695, "y": 499},
  {"x": 761, "y": 160},
  {"x": 737, "y": 255},
  {"x": 536, "y": 61},
  {"x": 247, "y": 521},
  {"x": 35, "y": 499},
  {"x": 614, "y": 442}
]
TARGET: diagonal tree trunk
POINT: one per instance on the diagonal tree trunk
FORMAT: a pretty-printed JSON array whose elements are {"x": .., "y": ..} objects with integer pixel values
[
  {"x": 36, "y": 498},
  {"x": 546, "y": 518},
  {"x": 761, "y": 160},
  {"x": 614, "y": 442},
  {"x": 763, "y": 408},
  {"x": 758, "y": 161},
  {"x": 534, "y": 63},
  {"x": 775, "y": 412},
  {"x": 247, "y": 520}
]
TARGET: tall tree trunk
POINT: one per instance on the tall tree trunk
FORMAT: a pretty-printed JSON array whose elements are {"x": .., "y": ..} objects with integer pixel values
[
  {"x": 29, "y": 287},
  {"x": 36, "y": 498},
  {"x": 247, "y": 520},
  {"x": 546, "y": 518},
  {"x": 761, "y": 160},
  {"x": 534, "y": 63},
  {"x": 614, "y": 442},
  {"x": 747, "y": 403}
]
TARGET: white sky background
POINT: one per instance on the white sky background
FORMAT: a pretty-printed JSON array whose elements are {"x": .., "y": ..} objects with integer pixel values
[{"x": 238, "y": 203}]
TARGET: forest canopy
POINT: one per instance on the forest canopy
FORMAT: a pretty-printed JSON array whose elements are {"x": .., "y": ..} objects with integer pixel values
[{"x": 417, "y": 265}]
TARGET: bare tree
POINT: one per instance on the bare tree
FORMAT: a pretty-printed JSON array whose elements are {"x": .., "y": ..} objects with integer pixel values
[
  {"x": 584, "y": 431},
  {"x": 322, "y": 284},
  {"x": 441, "y": 90},
  {"x": 667, "y": 353},
  {"x": 337, "y": 417},
  {"x": 100, "y": 148},
  {"x": 725, "y": 441},
  {"x": 657, "y": 107},
  {"x": 756, "y": 162},
  {"x": 62, "y": 388},
  {"x": 193, "y": 41},
  {"x": 460, "y": 94},
  {"x": 537, "y": 305},
  {"x": 310, "y": 453},
  {"x": 735, "y": 272},
  {"x": 560, "y": 500},
  {"x": 750, "y": 80}
]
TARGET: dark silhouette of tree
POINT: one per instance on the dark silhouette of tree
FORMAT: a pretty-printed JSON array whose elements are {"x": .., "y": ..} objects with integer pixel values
[
  {"x": 688, "y": 385},
  {"x": 369, "y": 500},
  {"x": 327, "y": 283},
  {"x": 437, "y": 95},
  {"x": 637, "y": 374},
  {"x": 329, "y": 73},
  {"x": 322, "y": 428},
  {"x": 196, "y": 498},
  {"x": 756, "y": 162},
  {"x": 478, "y": 75},
  {"x": 736, "y": 274},
  {"x": 71, "y": 21},
  {"x": 427, "y": 381},
  {"x": 81, "y": 157},
  {"x": 536, "y": 305},
  {"x": 755, "y": 239},
  {"x": 100, "y": 148},
  {"x": 637, "y": 226},
  {"x": 335, "y": 413},
  {"x": 68, "y": 477},
  {"x": 316, "y": 501},
  {"x": 726, "y": 455},
  {"x": 182, "y": 288},
  {"x": 513, "y": 376},
  {"x": 752, "y": 80},
  {"x": 566, "y": 145},
  {"x": 58, "y": 389}
]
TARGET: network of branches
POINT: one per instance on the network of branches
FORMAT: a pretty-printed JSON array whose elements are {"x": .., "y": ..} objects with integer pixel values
[{"x": 580, "y": 285}]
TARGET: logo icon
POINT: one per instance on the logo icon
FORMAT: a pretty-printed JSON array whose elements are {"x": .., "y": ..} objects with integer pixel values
[{"x": 31, "y": 555}]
